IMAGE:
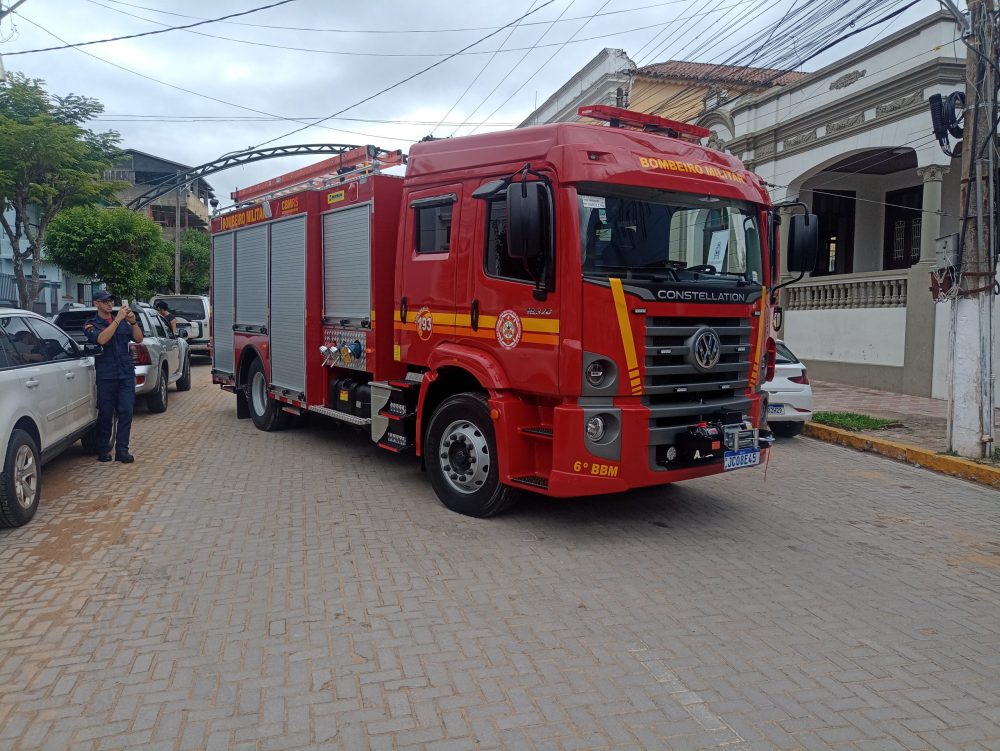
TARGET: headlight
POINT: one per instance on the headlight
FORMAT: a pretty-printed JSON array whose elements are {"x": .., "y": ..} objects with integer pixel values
[
  {"x": 596, "y": 373},
  {"x": 595, "y": 428}
]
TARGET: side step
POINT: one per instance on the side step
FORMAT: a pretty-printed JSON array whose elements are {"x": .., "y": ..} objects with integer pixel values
[
  {"x": 394, "y": 414},
  {"x": 535, "y": 481},
  {"x": 539, "y": 432}
]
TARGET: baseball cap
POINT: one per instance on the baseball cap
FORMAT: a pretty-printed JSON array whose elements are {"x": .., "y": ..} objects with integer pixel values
[{"x": 103, "y": 295}]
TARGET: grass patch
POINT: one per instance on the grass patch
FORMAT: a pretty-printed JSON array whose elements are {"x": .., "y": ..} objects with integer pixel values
[{"x": 852, "y": 421}]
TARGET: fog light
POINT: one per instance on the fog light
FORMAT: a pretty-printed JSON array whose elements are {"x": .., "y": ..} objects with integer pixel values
[
  {"x": 596, "y": 373},
  {"x": 595, "y": 428},
  {"x": 671, "y": 453}
]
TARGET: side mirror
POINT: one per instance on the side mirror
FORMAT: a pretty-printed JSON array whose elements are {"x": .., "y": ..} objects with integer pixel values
[
  {"x": 803, "y": 243},
  {"x": 529, "y": 211},
  {"x": 91, "y": 350}
]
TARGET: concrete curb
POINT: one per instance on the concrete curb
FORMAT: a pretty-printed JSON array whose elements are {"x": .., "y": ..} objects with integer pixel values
[{"x": 948, "y": 465}]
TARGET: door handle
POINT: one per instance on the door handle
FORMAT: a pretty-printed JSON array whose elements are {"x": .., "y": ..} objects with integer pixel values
[
  {"x": 402, "y": 310},
  {"x": 31, "y": 383},
  {"x": 474, "y": 315},
  {"x": 70, "y": 376}
]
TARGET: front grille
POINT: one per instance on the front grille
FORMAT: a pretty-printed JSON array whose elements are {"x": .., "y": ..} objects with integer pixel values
[{"x": 676, "y": 392}]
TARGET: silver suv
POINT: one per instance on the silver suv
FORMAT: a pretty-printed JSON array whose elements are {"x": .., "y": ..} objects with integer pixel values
[
  {"x": 160, "y": 360},
  {"x": 49, "y": 401},
  {"x": 193, "y": 316}
]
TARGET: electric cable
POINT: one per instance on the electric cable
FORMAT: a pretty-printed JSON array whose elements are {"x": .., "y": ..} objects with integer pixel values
[
  {"x": 404, "y": 80},
  {"x": 77, "y": 45}
]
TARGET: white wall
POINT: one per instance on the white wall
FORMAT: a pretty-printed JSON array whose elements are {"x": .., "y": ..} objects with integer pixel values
[
  {"x": 875, "y": 336},
  {"x": 942, "y": 349}
]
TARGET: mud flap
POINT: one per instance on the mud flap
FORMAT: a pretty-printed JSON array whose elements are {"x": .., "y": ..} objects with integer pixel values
[{"x": 242, "y": 405}]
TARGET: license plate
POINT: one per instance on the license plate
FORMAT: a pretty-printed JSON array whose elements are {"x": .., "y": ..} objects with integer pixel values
[
  {"x": 740, "y": 459},
  {"x": 775, "y": 409}
]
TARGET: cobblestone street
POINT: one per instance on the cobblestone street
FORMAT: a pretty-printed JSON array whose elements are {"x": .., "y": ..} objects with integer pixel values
[{"x": 235, "y": 589}]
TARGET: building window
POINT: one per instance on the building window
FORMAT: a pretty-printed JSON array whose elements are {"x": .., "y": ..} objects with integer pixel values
[{"x": 901, "y": 243}]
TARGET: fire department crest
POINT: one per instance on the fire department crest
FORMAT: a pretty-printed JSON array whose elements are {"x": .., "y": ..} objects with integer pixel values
[{"x": 508, "y": 329}]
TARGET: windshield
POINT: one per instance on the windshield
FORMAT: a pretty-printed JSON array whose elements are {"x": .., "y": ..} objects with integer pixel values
[
  {"x": 192, "y": 308},
  {"x": 643, "y": 232}
]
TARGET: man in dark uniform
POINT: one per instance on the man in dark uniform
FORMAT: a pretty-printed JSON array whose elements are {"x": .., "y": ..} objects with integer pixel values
[{"x": 115, "y": 373}]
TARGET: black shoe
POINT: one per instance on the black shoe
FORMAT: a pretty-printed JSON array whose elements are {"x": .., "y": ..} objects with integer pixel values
[
  {"x": 104, "y": 458},
  {"x": 124, "y": 458}
]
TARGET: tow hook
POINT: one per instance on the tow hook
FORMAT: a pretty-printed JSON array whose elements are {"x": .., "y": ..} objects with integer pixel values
[{"x": 765, "y": 438}]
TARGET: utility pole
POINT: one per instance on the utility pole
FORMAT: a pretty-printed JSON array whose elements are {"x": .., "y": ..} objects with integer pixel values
[
  {"x": 4, "y": 14},
  {"x": 177, "y": 242},
  {"x": 971, "y": 397}
]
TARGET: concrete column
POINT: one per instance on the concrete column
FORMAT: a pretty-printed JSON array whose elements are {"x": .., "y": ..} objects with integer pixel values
[{"x": 918, "y": 363}]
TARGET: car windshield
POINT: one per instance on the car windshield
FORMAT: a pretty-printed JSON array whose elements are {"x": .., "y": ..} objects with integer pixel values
[
  {"x": 192, "y": 308},
  {"x": 642, "y": 232}
]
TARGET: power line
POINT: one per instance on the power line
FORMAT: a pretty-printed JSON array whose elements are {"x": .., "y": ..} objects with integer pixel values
[
  {"x": 148, "y": 33},
  {"x": 404, "y": 80},
  {"x": 274, "y": 27}
]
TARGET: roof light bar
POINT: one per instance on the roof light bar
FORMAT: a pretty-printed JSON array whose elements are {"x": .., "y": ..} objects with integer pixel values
[{"x": 620, "y": 117}]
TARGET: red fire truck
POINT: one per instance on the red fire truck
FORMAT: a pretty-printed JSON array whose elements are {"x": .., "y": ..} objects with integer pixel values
[{"x": 569, "y": 309}]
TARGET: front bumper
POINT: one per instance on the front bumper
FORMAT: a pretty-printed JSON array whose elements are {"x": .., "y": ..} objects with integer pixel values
[{"x": 579, "y": 468}]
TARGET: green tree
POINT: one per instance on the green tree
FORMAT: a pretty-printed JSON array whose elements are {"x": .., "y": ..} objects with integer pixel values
[
  {"x": 48, "y": 162},
  {"x": 195, "y": 265},
  {"x": 117, "y": 246}
]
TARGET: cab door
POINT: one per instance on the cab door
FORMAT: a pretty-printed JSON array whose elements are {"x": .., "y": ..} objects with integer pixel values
[
  {"x": 425, "y": 295},
  {"x": 499, "y": 305}
]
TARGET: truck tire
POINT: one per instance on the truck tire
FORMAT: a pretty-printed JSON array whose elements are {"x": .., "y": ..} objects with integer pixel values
[
  {"x": 20, "y": 481},
  {"x": 460, "y": 452},
  {"x": 184, "y": 382},
  {"x": 157, "y": 401},
  {"x": 266, "y": 413}
]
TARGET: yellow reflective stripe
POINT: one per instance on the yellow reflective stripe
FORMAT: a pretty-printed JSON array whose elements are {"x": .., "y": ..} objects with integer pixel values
[
  {"x": 621, "y": 310},
  {"x": 759, "y": 351},
  {"x": 534, "y": 325}
]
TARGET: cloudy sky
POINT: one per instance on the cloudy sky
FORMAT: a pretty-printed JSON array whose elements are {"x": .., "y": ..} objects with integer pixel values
[{"x": 192, "y": 96}]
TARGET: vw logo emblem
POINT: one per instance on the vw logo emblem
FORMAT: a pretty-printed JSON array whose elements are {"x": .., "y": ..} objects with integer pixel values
[{"x": 706, "y": 349}]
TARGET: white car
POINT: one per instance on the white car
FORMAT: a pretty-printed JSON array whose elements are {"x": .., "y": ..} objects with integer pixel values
[
  {"x": 193, "y": 314},
  {"x": 48, "y": 400},
  {"x": 790, "y": 397}
]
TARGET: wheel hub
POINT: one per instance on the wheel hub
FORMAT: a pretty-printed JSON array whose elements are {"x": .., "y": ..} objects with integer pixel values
[
  {"x": 464, "y": 456},
  {"x": 25, "y": 477},
  {"x": 258, "y": 393}
]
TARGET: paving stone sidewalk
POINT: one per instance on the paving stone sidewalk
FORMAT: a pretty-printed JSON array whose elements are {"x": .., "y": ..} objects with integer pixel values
[{"x": 924, "y": 421}]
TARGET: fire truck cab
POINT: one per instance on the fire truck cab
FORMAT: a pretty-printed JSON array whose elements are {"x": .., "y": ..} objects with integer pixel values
[{"x": 570, "y": 309}]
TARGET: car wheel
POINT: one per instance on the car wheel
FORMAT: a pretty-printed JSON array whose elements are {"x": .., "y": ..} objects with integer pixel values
[
  {"x": 786, "y": 429},
  {"x": 21, "y": 481},
  {"x": 461, "y": 457},
  {"x": 266, "y": 413},
  {"x": 184, "y": 382},
  {"x": 157, "y": 401}
]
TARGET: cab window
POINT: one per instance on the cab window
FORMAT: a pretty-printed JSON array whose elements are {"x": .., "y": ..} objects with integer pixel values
[
  {"x": 432, "y": 224},
  {"x": 497, "y": 261}
]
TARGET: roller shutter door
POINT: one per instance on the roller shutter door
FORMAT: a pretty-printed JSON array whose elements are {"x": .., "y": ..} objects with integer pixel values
[
  {"x": 347, "y": 264},
  {"x": 251, "y": 277},
  {"x": 222, "y": 303},
  {"x": 288, "y": 285}
]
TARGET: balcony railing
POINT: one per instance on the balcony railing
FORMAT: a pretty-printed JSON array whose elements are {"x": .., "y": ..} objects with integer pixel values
[{"x": 874, "y": 289}]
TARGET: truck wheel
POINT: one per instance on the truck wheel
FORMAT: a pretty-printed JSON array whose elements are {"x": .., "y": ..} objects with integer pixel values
[
  {"x": 184, "y": 382},
  {"x": 20, "y": 481},
  {"x": 157, "y": 401},
  {"x": 460, "y": 452},
  {"x": 266, "y": 413}
]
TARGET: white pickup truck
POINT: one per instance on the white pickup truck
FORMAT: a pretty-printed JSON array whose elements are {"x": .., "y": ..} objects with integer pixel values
[{"x": 195, "y": 312}]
